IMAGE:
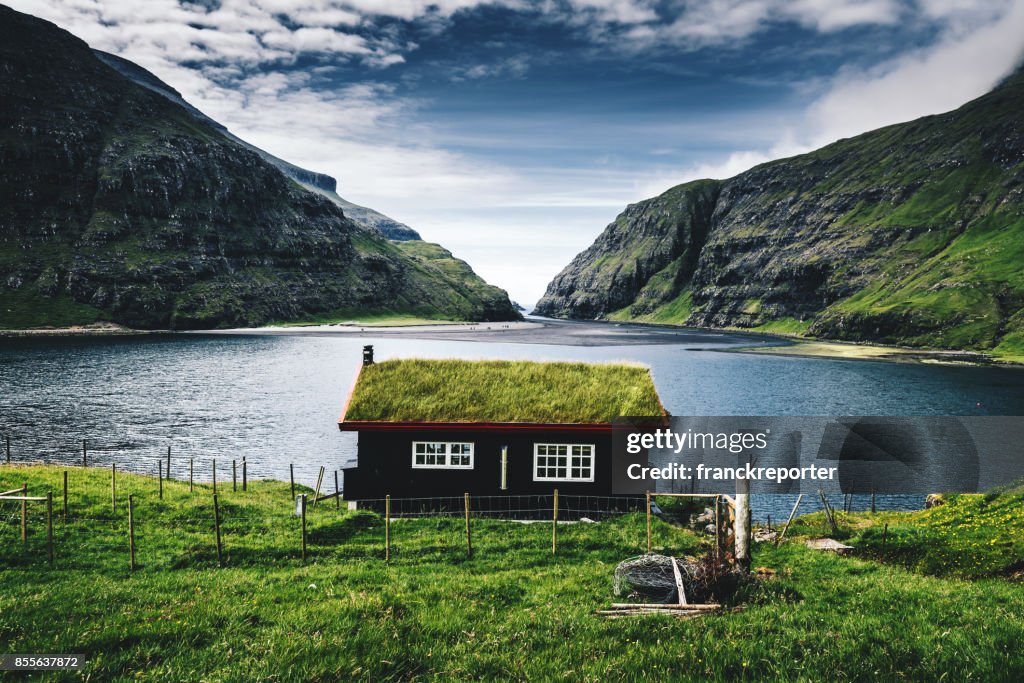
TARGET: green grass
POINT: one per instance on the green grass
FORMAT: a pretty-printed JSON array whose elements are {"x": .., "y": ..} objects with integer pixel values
[
  {"x": 502, "y": 391},
  {"x": 513, "y": 612},
  {"x": 26, "y": 308}
]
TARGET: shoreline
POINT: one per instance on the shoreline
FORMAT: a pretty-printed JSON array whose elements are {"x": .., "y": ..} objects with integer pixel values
[{"x": 538, "y": 330}]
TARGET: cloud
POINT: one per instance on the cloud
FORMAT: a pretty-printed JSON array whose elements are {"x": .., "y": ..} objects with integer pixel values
[
  {"x": 703, "y": 23},
  {"x": 964, "y": 64},
  {"x": 975, "y": 51}
]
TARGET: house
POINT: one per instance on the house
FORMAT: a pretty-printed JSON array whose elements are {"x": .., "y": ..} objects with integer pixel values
[{"x": 438, "y": 428}]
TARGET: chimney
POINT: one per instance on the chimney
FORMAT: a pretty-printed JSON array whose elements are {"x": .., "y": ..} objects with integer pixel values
[{"x": 368, "y": 354}]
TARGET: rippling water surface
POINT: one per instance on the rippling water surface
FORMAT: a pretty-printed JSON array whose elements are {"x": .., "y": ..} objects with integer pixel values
[{"x": 276, "y": 399}]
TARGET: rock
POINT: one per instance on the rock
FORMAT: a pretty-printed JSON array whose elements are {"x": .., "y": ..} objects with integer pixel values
[
  {"x": 934, "y": 500},
  {"x": 829, "y": 545}
]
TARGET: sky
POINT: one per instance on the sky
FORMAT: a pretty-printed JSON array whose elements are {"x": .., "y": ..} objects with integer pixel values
[{"x": 513, "y": 131}]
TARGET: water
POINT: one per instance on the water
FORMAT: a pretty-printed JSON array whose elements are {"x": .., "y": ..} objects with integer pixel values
[{"x": 276, "y": 399}]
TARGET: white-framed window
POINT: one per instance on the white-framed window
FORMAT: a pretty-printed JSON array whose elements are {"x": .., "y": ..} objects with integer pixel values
[
  {"x": 563, "y": 462},
  {"x": 442, "y": 455}
]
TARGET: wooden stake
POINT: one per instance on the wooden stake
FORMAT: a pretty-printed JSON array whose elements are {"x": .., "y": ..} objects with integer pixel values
[
  {"x": 168, "y": 462},
  {"x": 469, "y": 538},
  {"x": 554, "y": 524},
  {"x": 215, "y": 475},
  {"x": 24, "y": 514},
  {"x": 85, "y": 454},
  {"x": 113, "y": 487},
  {"x": 131, "y": 530},
  {"x": 49, "y": 526},
  {"x": 216, "y": 525},
  {"x": 387, "y": 528},
  {"x": 7, "y": 437},
  {"x": 648, "y": 521},
  {"x": 160, "y": 476},
  {"x": 885, "y": 535},
  {"x": 873, "y": 502},
  {"x": 337, "y": 491},
  {"x": 319, "y": 481},
  {"x": 234, "y": 477},
  {"x": 245, "y": 479},
  {"x": 788, "y": 521},
  {"x": 65, "y": 496},
  {"x": 190, "y": 463},
  {"x": 291, "y": 474},
  {"x": 718, "y": 529},
  {"x": 303, "y": 507},
  {"x": 680, "y": 590}
]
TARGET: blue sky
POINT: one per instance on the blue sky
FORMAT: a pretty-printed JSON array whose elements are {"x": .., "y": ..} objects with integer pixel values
[{"x": 513, "y": 131}]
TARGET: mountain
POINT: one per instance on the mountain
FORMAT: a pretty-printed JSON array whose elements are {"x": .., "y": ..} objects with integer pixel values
[
  {"x": 311, "y": 180},
  {"x": 910, "y": 234},
  {"x": 119, "y": 203}
]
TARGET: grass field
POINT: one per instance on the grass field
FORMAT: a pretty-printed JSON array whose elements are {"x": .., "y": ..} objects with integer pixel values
[{"x": 512, "y": 612}]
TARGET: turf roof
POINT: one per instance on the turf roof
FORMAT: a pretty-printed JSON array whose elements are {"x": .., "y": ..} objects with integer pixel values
[{"x": 501, "y": 391}]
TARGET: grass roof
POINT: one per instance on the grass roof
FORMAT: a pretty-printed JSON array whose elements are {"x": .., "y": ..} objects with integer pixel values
[{"x": 501, "y": 391}]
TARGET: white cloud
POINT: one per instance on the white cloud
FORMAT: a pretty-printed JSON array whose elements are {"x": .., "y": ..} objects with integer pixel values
[{"x": 976, "y": 50}]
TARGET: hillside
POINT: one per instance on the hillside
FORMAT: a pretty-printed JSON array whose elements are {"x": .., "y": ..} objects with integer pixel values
[
  {"x": 910, "y": 234},
  {"x": 431, "y": 613},
  {"x": 118, "y": 203}
]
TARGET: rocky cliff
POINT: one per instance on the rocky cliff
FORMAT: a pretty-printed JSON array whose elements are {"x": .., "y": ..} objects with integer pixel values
[
  {"x": 117, "y": 203},
  {"x": 910, "y": 234}
]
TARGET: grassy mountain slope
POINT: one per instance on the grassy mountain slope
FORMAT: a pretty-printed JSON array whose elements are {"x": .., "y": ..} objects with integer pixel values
[
  {"x": 117, "y": 203},
  {"x": 910, "y": 234}
]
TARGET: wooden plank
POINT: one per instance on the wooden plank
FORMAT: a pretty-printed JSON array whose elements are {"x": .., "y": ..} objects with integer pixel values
[
  {"x": 680, "y": 591},
  {"x": 24, "y": 498},
  {"x": 7, "y": 493}
]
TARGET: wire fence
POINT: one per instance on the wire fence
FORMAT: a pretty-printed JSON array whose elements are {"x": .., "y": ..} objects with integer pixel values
[{"x": 179, "y": 462}]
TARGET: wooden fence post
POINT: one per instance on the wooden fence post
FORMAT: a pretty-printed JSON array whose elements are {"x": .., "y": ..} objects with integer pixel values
[
  {"x": 245, "y": 478},
  {"x": 234, "y": 476},
  {"x": 65, "y": 496},
  {"x": 24, "y": 514},
  {"x": 469, "y": 538},
  {"x": 216, "y": 526},
  {"x": 190, "y": 463},
  {"x": 215, "y": 475},
  {"x": 554, "y": 524},
  {"x": 873, "y": 510},
  {"x": 718, "y": 530},
  {"x": 113, "y": 487},
  {"x": 160, "y": 476},
  {"x": 7, "y": 438},
  {"x": 291, "y": 474},
  {"x": 85, "y": 454},
  {"x": 168, "y": 462},
  {"x": 337, "y": 491},
  {"x": 302, "y": 505},
  {"x": 387, "y": 528},
  {"x": 49, "y": 526},
  {"x": 648, "y": 521},
  {"x": 131, "y": 530}
]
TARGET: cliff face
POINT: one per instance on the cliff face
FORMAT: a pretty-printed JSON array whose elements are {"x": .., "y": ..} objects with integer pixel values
[
  {"x": 913, "y": 233},
  {"x": 117, "y": 203}
]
